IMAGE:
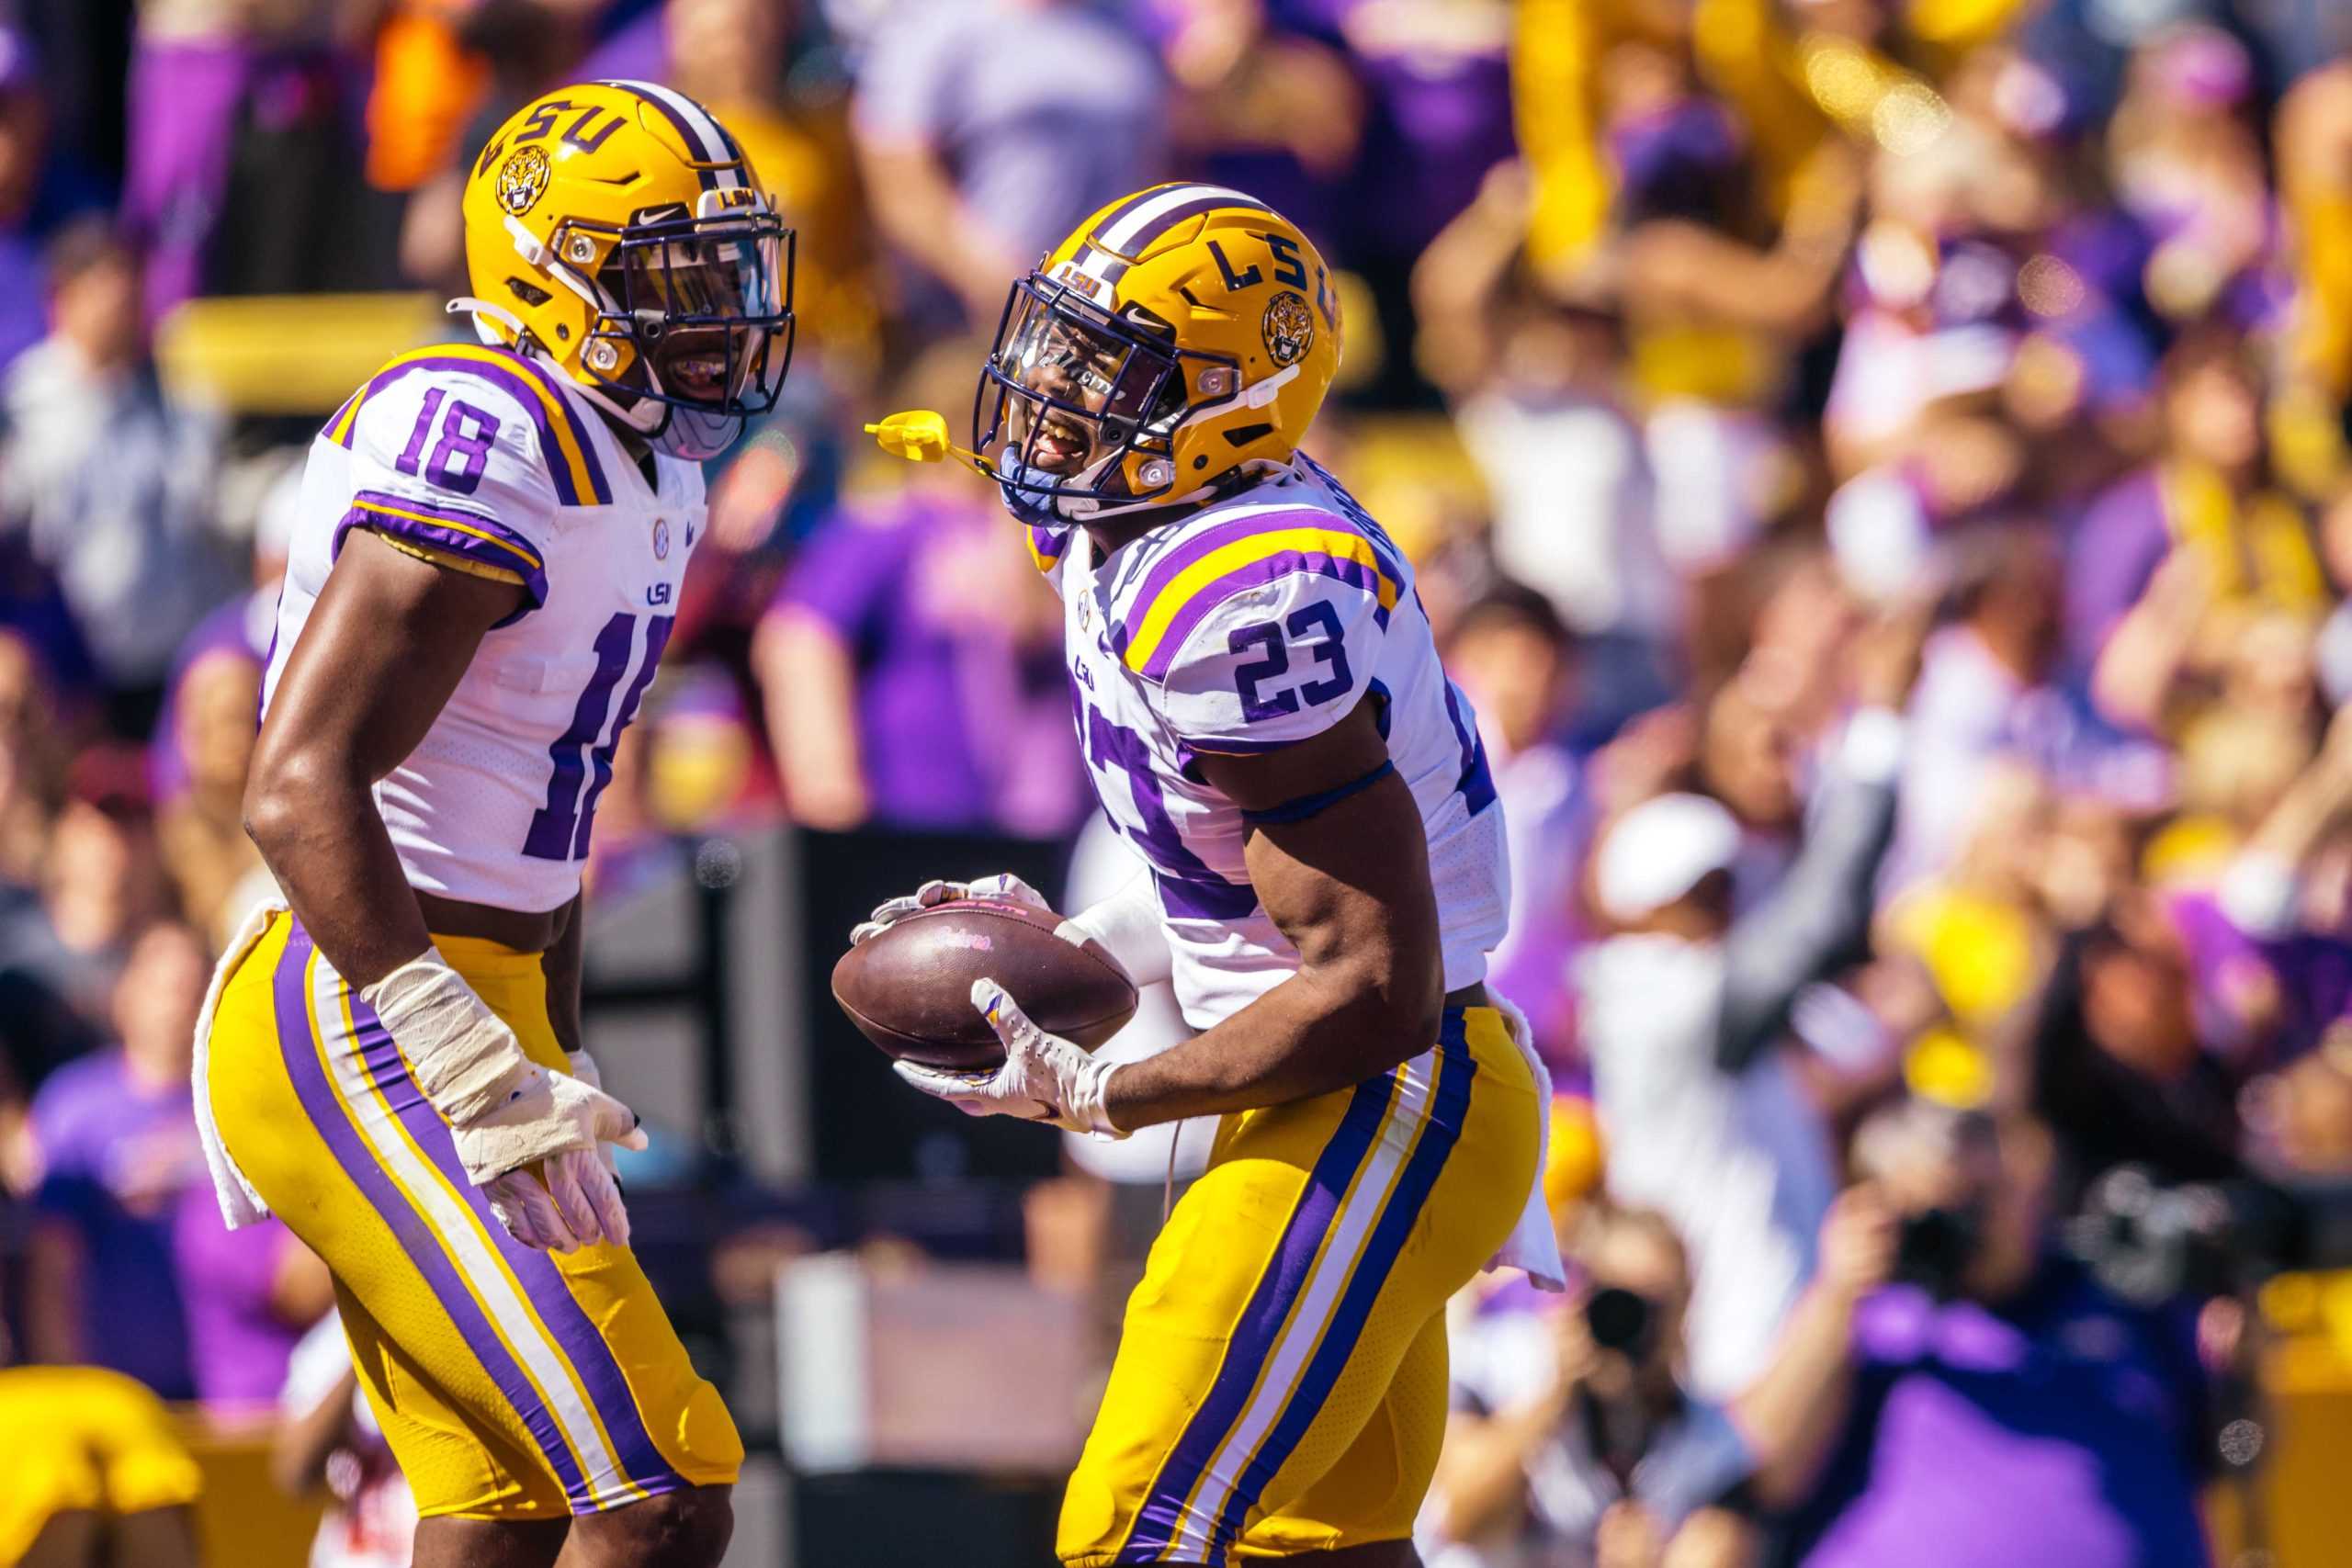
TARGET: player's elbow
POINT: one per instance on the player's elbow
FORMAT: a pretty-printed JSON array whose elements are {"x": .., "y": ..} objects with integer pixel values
[
  {"x": 284, "y": 796},
  {"x": 1394, "y": 999}
]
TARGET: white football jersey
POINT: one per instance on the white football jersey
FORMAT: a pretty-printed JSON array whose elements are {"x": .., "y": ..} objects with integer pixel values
[
  {"x": 1249, "y": 625},
  {"x": 489, "y": 459}
]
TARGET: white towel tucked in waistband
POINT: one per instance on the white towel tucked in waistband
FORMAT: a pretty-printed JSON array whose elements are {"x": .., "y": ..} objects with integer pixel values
[
  {"x": 240, "y": 1204},
  {"x": 1533, "y": 1244}
]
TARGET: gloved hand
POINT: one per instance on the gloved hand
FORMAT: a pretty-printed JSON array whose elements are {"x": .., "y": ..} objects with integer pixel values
[
  {"x": 1044, "y": 1077},
  {"x": 570, "y": 1199},
  {"x": 526, "y": 1134},
  {"x": 539, "y": 1159},
  {"x": 1004, "y": 885}
]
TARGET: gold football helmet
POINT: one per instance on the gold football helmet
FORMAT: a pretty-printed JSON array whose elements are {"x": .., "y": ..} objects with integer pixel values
[
  {"x": 1181, "y": 336},
  {"x": 615, "y": 231}
]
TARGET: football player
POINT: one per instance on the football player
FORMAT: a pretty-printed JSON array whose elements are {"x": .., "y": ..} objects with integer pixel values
[
  {"x": 1262, "y": 707},
  {"x": 481, "y": 584}
]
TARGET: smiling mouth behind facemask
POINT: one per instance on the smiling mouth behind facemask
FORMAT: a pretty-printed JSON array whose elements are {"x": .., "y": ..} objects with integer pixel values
[{"x": 1063, "y": 446}]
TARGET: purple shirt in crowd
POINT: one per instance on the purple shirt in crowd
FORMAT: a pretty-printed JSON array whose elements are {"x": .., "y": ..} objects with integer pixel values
[
  {"x": 2123, "y": 539},
  {"x": 2078, "y": 1416},
  {"x": 243, "y": 624},
  {"x": 116, "y": 1155},
  {"x": 1440, "y": 118},
  {"x": 237, "y": 1348},
  {"x": 950, "y": 711},
  {"x": 2312, "y": 972},
  {"x": 1041, "y": 113}
]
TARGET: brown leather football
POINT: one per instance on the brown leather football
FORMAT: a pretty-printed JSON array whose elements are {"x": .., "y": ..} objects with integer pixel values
[{"x": 908, "y": 988}]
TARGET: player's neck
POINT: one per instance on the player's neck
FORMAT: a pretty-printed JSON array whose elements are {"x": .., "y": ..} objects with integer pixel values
[{"x": 1110, "y": 533}]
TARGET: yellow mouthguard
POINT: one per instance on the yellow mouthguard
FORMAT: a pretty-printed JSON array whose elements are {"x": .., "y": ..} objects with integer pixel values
[{"x": 919, "y": 435}]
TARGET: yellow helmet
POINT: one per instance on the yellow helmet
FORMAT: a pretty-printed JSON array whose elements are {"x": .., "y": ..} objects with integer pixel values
[
  {"x": 615, "y": 231},
  {"x": 1180, "y": 338}
]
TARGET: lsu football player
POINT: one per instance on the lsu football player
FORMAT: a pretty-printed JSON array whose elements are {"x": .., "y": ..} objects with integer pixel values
[
  {"x": 1260, "y": 702},
  {"x": 483, "y": 576}
]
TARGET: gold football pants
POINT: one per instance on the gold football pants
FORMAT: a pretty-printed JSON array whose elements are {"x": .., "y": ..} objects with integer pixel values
[
  {"x": 510, "y": 1383},
  {"x": 1281, "y": 1380}
]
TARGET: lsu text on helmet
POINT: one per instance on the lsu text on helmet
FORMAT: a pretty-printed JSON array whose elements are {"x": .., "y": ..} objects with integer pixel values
[
  {"x": 616, "y": 229},
  {"x": 1184, "y": 337}
]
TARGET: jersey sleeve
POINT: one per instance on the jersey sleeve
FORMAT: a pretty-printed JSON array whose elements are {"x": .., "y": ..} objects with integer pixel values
[
  {"x": 1267, "y": 643},
  {"x": 1048, "y": 547},
  {"x": 450, "y": 466}
]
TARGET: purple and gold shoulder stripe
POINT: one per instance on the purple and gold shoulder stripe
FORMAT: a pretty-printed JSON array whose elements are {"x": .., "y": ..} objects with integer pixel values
[
  {"x": 472, "y": 538},
  {"x": 1255, "y": 546},
  {"x": 566, "y": 444},
  {"x": 1045, "y": 547}
]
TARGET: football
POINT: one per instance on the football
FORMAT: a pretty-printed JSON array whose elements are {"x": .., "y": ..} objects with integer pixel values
[{"x": 908, "y": 988}]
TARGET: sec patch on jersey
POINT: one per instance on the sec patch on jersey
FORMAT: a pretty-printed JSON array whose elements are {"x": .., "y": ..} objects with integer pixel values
[{"x": 908, "y": 988}]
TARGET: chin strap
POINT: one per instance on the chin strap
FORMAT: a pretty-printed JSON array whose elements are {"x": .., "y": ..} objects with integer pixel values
[
  {"x": 484, "y": 313},
  {"x": 519, "y": 337}
]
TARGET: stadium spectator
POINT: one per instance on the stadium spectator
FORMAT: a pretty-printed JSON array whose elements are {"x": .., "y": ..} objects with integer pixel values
[
  {"x": 1261, "y": 106},
  {"x": 1683, "y": 1010},
  {"x": 1947, "y": 1356},
  {"x": 1573, "y": 1441},
  {"x": 911, "y": 650},
  {"x": 736, "y": 57},
  {"x": 988, "y": 130},
  {"x": 114, "y": 1134},
  {"x": 2211, "y": 497},
  {"x": 1984, "y": 692},
  {"x": 910, "y": 666},
  {"x": 42, "y": 186},
  {"x": 101, "y": 883},
  {"x": 214, "y": 868},
  {"x": 249, "y": 1296},
  {"x": 1537, "y": 383},
  {"x": 224, "y": 96},
  {"x": 1513, "y": 658},
  {"x": 1436, "y": 83},
  {"x": 328, "y": 1438},
  {"x": 33, "y": 763},
  {"x": 108, "y": 480}
]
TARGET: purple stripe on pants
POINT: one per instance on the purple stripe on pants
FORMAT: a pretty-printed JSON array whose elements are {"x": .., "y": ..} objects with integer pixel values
[
  {"x": 608, "y": 1391},
  {"x": 1450, "y": 1104},
  {"x": 323, "y": 1104},
  {"x": 1253, "y": 1337}
]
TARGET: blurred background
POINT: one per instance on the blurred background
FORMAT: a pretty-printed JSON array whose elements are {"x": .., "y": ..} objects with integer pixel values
[{"x": 1723, "y": 365}]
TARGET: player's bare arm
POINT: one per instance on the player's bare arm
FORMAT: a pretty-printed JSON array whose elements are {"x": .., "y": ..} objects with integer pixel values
[
  {"x": 391, "y": 639},
  {"x": 386, "y": 645},
  {"x": 1349, "y": 885}
]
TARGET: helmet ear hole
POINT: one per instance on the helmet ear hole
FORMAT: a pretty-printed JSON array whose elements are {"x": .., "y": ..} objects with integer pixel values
[{"x": 529, "y": 293}]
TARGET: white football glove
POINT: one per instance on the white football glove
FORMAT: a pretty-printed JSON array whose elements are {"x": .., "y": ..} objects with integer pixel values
[
  {"x": 1044, "y": 1077},
  {"x": 512, "y": 1123},
  {"x": 931, "y": 895},
  {"x": 570, "y": 1199}
]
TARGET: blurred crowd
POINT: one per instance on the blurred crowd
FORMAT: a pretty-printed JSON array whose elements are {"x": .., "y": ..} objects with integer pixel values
[{"x": 1878, "y": 467}]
